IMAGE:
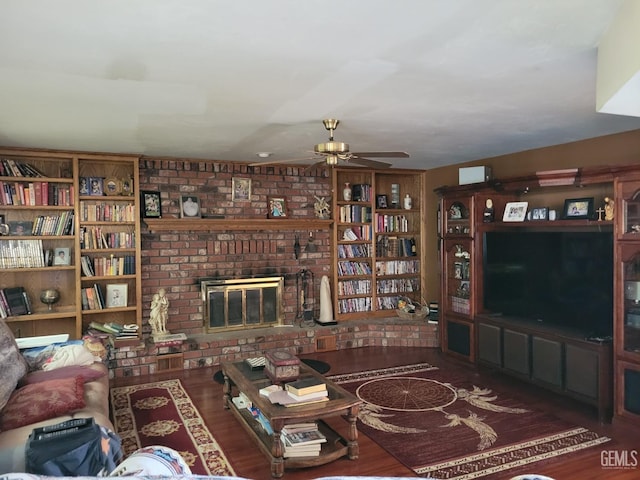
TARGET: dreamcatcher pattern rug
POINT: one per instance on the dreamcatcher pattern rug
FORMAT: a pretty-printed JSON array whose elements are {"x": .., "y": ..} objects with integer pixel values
[
  {"x": 162, "y": 413},
  {"x": 441, "y": 425}
]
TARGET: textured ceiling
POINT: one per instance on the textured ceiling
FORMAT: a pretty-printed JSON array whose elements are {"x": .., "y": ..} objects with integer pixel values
[{"x": 447, "y": 81}]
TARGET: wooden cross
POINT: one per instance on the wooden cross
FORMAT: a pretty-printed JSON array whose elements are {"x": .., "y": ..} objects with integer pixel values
[{"x": 600, "y": 211}]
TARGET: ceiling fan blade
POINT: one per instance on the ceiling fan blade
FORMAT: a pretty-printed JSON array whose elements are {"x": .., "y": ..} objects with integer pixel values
[
  {"x": 382, "y": 154},
  {"x": 276, "y": 162},
  {"x": 368, "y": 163},
  {"x": 321, "y": 163}
]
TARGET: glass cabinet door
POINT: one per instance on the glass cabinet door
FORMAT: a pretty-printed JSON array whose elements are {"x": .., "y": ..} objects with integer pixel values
[{"x": 631, "y": 322}]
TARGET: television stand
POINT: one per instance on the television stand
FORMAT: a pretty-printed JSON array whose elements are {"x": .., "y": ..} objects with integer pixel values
[{"x": 558, "y": 359}]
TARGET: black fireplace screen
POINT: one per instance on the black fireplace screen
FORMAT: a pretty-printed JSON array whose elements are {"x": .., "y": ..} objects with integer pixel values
[{"x": 235, "y": 304}]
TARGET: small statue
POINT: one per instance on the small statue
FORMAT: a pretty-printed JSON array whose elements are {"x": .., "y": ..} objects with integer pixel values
[
  {"x": 608, "y": 208},
  {"x": 159, "y": 313},
  {"x": 321, "y": 208},
  {"x": 487, "y": 215}
]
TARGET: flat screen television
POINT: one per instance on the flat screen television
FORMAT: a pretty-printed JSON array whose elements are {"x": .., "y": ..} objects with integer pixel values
[{"x": 557, "y": 278}]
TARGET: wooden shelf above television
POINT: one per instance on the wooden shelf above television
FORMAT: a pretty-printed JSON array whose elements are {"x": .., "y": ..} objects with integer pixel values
[{"x": 233, "y": 224}]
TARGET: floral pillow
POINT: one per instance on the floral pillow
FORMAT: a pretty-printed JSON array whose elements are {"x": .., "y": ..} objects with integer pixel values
[
  {"x": 41, "y": 401},
  {"x": 12, "y": 364}
]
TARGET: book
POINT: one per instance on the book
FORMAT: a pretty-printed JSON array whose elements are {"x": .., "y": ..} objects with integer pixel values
[
  {"x": 15, "y": 297},
  {"x": 282, "y": 397},
  {"x": 309, "y": 396},
  {"x": 305, "y": 386},
  {"x": 304, "y": 438}
]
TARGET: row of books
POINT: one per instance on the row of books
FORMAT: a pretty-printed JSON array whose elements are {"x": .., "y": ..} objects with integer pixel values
[
  {"x": 361, "y": 192},
  {"x": 361, "y": 250},
  {"x": 14, "y": 301},
  {"x": 395, "y": 247},
  {"x": 354, "y": 214},
  {"x": 362, "y": 232},
  {"x": 354, "y": 268},
  {"x": 36, "y": 194},
  {"x": 354, "y": 287},
  {"x": 107, "y": 212},
  {"x": 397, "y": 267},
  {"x": 12, "y": 168},
  {"x": 398, "y": 285},
  {"x": 352, "y": 305},
  {"x": 45, "y": 225},
  {"x": 93, "y": 298},
  {"x": 21, "y": 254},
  {"x": 116, "y": 329},
  {"x": 108, "y": 266},
  {"x": 391, "y": 223},
  {"x": 97, "y": 238}
]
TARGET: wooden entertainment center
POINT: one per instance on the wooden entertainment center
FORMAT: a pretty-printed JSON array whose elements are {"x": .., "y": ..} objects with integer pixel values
[{"x": 601, "y": 370}]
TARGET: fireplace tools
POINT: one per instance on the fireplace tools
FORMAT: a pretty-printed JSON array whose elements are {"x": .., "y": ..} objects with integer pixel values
[{"x": 304, "y": 286}]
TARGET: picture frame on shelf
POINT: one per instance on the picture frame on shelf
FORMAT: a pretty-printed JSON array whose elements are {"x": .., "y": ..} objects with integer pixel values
[
  {"x": 84, "y": 185},
  {"x": 578, "y": 208},
  {"x": 277, "y": 207},
  {"x": 117, "y": 294},
  {"x": 541, "y": 213},
  {"x": 112, "y": 186},
  {"x": 126, "y": 186},
  {"x": 150, "y": 204},
  {"x": 515, "y": 211},
  {"x": 96, "y": 186},
  {"x": 62, "y": 256},
  {"x": 190, "y": 206},
  {"x": 20, "y": 227},
  {"x": 381, "y": 201},
  {"x": 240, "y": 189}
]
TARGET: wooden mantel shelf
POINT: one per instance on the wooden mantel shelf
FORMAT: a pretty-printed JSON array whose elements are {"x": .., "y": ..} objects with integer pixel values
[{"x": 233, "y": 224}]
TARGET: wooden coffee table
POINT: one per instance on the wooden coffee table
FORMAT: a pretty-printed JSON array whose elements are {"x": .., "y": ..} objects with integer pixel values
[{"x": 240, "y": 376}]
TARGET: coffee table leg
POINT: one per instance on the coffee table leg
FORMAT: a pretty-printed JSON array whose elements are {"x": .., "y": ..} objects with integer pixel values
[
  {"x": 277, "y": 451},
  {"x": 226, "y": 392},
  {"x": 352, "y": 437}
]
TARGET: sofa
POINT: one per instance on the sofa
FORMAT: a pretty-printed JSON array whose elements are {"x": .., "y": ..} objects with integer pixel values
[{"x": 72, "y": 383}]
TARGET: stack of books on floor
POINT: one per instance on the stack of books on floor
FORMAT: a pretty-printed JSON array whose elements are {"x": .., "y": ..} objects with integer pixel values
[
  {"x": 301, "y": 392},
  {"x": 302, "y": 440}
]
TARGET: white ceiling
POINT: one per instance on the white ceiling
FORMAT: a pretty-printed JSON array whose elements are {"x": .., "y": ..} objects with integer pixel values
[{"x": 447, "y": 81}]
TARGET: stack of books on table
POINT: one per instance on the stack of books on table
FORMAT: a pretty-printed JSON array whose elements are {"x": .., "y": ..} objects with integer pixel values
[
  {"x": 302, "y": 440},
  {"x": 301, "y": 392}
]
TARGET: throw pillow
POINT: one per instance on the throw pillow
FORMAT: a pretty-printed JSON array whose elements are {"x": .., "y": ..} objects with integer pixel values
[
  {"x": 12, "y": 365},
  {"x": 42, "y": 401},
  {"x": 88, "y": 374}
]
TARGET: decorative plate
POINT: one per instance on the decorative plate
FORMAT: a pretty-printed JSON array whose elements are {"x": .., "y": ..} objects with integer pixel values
[{"x": 112, "y": 186}]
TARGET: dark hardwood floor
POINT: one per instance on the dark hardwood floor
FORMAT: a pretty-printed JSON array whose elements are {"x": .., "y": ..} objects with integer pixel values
[{"x": 248, "y": 462}]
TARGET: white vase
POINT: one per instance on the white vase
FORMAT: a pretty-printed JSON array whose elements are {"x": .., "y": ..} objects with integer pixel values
[
  {"x": 346, "y": 193},
  {"x": 407, "y": 202}
]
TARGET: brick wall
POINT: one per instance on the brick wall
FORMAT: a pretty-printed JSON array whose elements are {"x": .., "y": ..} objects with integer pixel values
[{"x": 177, "y": 260}]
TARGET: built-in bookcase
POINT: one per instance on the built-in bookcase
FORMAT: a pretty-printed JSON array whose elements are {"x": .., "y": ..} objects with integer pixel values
[
  {"x": 378, "y": 234},
  {"x": 67, "y": 214}
]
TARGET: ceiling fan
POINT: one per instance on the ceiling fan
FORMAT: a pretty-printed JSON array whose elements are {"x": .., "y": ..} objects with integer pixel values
[{"x": 331, "y": 152}]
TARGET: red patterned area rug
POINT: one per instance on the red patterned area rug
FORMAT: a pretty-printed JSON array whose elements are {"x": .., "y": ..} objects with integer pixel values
[
  {"x": 162, "y": 413},
  {"x": 441, "y": 425}
]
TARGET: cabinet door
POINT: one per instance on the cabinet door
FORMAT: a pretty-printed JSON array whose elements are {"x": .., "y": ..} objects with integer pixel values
[
  {"x": 457, "y": 277},
  {"x": 457, "y": 338},
  {"x": 490, "y": 344},
  {"x": 546, "y": 363},
  {"x": 581, "y": 371},
  {"x": 516, "y": 352}
]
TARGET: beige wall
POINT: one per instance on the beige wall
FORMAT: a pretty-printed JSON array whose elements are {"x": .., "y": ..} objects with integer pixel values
[{"x": 618, "y": 149}]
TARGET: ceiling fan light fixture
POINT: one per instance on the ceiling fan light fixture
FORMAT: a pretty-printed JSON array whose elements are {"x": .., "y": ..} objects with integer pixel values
[
  {"x": 264, "y": 154},
  {"x": 332, "y": 159},
  {"x": 331, "y": 147}
]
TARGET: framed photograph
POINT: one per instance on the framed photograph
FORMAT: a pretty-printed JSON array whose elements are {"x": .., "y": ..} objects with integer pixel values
[
  {"x": 150, "y": 204},
  {"x": 62, "y": 256},
  {"x": 96, "y": 186},
  {"x": 241, "y": 189},
  {"x": 84, "y": 185},
  {"x": 116, "y": 295},
  {"x": 20, "y": 227},
  {"x": 277, "y": 207},
  {"x": 540, "y": 213},
  {"x": 112, "y": 186},
  {"x": 578, "y": 208},
  {"x": 515, "y": 212},
  {"x": 381, "y": 201},
  {"x": 189, "y": 206},
  {"x": 126, "y": 186}
]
